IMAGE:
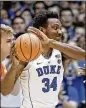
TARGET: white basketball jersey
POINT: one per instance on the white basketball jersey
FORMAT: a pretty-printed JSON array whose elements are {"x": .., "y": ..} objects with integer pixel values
[{"x": 41, "y": 81}]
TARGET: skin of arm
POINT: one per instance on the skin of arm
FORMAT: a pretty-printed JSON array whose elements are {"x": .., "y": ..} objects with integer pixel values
[
  {"x": 7, "y": 64},
  {"x": 16, "y": 88},
  {"x": 73, "y": 52},
  {"x": 9, "y": 80}
]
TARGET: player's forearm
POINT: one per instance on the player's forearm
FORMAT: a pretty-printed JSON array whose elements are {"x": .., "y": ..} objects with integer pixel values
[
  {"x": 8, "y": 82},
  {"x": 73, "y": 52}
]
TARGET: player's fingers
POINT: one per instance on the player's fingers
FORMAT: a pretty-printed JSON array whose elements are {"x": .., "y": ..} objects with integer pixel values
[
  {"x": 12, "y": 44},
  {"x": 12, "y": 50},
  {"x": 37, "y": 34},
  {"x": 36, "y": 31},
  {"x": 33, "y": 28}
]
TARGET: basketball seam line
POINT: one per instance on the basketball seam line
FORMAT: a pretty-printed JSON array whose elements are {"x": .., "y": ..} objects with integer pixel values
[
  {"x": 21, "y": 49},
  {"x": 37, "y": 52},
  {"x": 31, "y": 47},
  {"x": 18, "y": 55}
]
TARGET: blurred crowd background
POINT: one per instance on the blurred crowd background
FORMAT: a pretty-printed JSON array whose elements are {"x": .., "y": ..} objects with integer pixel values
[{"x": 19, "y": 15}]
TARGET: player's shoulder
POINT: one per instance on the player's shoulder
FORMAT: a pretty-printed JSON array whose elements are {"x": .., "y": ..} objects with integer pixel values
[{"x": 56, "y": 53}]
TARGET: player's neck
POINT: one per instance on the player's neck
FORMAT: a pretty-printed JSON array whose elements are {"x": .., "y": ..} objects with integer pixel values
[{"x": 47, "y": 53}]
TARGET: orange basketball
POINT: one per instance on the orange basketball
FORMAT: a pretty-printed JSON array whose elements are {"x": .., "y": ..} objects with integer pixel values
[{"x": 27, "y": 47}]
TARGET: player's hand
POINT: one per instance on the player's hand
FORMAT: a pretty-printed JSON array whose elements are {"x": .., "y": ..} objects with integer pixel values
[
  {"x": 43, "y": 38},
  {"x": 15, "y": 61}
]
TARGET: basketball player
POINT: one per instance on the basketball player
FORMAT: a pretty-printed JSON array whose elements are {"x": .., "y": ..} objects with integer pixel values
[
  {"x": 13, "y": 99},
  {"x": 7, "y": 35},
  {"x": 42, "y": 78}
]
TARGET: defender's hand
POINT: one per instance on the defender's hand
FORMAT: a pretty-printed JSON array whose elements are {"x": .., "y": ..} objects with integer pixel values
[{"x": 15, "y": 61}]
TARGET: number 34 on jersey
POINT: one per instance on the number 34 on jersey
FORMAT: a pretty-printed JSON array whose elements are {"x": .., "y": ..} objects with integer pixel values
[{"x": 49, "y": 83}]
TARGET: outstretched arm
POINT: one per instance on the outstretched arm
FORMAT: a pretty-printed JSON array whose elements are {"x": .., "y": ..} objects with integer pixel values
[
  {"x": 9, "y": 80},
  {"x": 71, "y": 51}
]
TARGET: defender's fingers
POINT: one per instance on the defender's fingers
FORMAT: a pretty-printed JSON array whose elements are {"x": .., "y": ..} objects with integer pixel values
[
  {"x": 12, "y": 50},
  {"x": 12, "y": 44}
]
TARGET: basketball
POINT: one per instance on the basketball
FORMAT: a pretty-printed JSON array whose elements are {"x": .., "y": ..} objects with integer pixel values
[{"x": 27, "y": 47}]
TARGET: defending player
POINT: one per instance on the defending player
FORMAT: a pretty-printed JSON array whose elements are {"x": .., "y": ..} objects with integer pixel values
[
  {"x": 14, "y": 72},
  {"x": 13, "y": 99}
]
